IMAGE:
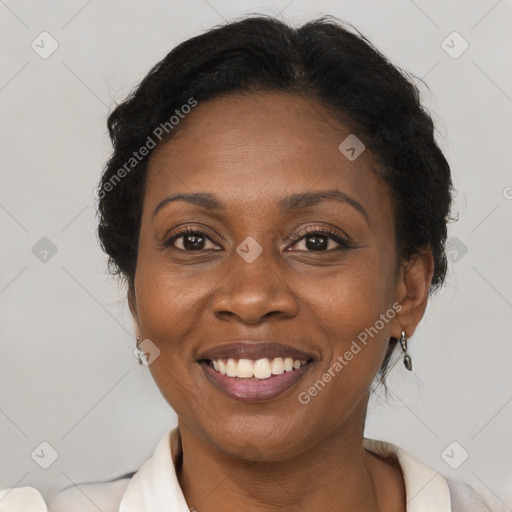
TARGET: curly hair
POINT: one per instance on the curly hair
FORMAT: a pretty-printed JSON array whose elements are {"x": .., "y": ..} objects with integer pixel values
[{"x": 324, "y": 61}]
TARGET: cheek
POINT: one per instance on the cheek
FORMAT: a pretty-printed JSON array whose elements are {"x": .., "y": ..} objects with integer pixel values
[
  {"x": 167, "y": 312},
  {"x": 164, "y": 316},
  {"x": 171, "y": 305},
  {"x": 353, "y": 311},
  {"x": 168, "y": 299},
  {"x": 347, "y": 315},
  {"x": 355, "y": 293}
]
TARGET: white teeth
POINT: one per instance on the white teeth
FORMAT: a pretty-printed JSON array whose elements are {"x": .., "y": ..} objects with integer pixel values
[
  {"x": 245, "y": 368},
  {"x": 260, "y": 369},
  {"x": 277, "y": 366},
  {"x": 231, "y": 368}
]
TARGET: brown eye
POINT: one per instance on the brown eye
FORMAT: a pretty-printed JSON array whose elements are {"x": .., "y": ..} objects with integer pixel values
[
  {"x": 190, "y": 240},
  {"x": 321, "y": 240}
]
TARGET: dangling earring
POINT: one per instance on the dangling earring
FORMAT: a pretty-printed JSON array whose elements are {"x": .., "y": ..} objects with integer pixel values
[
  {"x": 140, "y": 353},
  {"x": 407, "y": 357}
]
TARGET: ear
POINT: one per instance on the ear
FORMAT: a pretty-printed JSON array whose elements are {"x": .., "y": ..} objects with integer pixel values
[
  {"x": 132, "y": 304},
  {"x": 412, "y": 290}
]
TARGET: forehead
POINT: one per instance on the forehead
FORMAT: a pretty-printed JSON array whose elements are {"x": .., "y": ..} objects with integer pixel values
[{"x": 260, "y": 147}]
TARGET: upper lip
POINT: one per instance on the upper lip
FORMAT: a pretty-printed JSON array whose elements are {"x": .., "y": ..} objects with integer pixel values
[{"x": 254, "y": 350}]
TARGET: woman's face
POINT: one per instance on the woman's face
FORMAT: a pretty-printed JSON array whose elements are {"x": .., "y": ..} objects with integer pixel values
[{"x": 254, "y": 269}]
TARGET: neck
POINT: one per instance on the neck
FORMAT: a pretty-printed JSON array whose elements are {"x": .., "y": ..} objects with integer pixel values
[{"x": 334, "y": 473}]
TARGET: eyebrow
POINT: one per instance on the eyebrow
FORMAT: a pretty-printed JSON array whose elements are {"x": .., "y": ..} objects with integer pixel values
[{"x": 287, "y": 204}]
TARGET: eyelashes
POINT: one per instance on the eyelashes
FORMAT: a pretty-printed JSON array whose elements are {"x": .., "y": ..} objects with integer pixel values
[
  {"x": 188, "y": 231},
  {"x": 343, "y": 242}
]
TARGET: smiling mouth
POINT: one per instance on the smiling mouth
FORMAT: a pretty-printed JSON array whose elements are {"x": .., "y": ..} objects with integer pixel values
[
  {"x": 259, "y": 369},
  {"x": 253, "y": 380}
]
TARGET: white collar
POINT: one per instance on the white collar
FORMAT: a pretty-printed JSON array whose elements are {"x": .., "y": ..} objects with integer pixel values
[
  {"x": 155, "y": 486},
  {"x": 425, "y": 489}
]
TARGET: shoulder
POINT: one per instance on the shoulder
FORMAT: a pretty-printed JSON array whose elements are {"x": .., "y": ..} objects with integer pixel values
[
  {"x": 28, "y": 499},
  {"x": 91, "y": 497},
  {"x": 426, "y": 485},
  {"x": 468, "y": 498}
]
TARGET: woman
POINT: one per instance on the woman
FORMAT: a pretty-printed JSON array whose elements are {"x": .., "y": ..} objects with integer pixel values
[{"x": 277, "y": 206}]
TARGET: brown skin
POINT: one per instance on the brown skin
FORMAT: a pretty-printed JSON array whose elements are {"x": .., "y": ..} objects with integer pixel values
[{"x": 251, "y": 151}]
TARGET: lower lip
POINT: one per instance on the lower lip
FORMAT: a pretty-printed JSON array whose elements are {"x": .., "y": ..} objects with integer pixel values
[{"x": 255, "y": 390}]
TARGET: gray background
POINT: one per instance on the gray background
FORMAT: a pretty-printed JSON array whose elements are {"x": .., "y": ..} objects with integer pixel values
[{"x": 68, "y": 375}]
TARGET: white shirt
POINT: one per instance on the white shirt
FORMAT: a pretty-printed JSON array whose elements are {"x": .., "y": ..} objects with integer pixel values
[{"x": 155, "y": 488}]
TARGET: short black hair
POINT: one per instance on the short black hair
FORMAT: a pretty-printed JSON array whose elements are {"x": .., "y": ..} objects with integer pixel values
[{"x": 325, "y": 60}]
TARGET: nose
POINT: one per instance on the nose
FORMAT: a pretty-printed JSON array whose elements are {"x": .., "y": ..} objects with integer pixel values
[{"x": 254, "y": 292}]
